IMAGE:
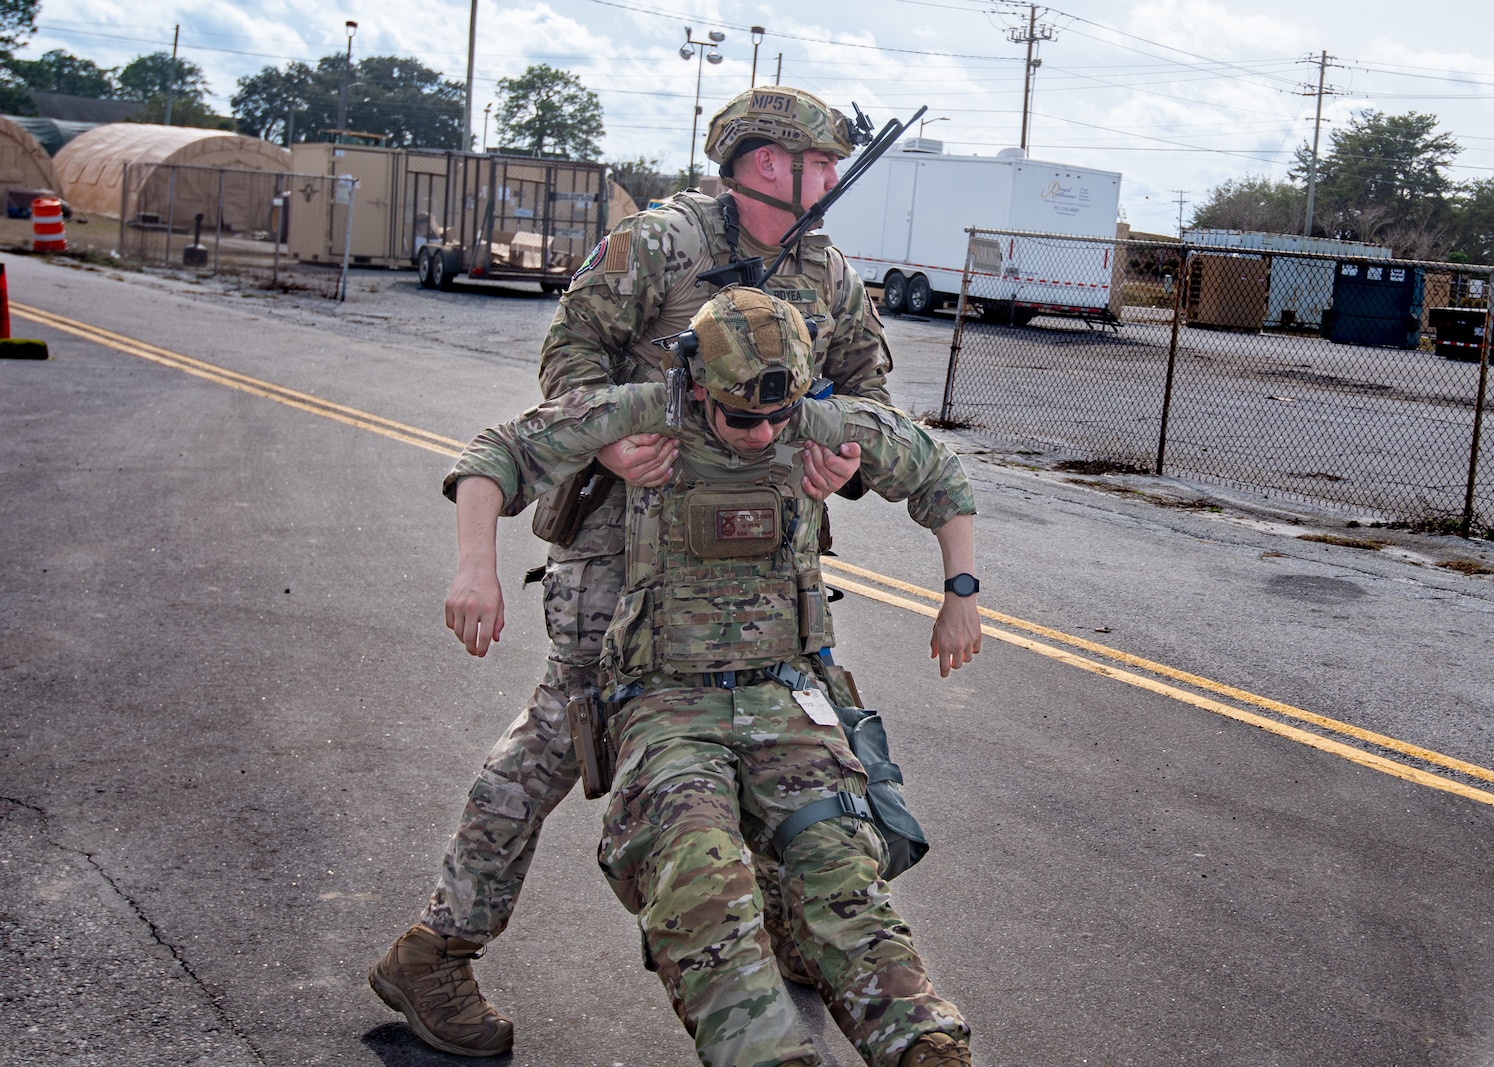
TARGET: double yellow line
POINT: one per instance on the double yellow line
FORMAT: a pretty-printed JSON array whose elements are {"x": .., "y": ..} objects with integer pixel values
[{"x": 1009, "y": 629}]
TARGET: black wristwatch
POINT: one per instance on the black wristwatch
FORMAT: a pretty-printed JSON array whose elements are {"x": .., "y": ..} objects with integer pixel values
[{"x": 962, "y": 585}]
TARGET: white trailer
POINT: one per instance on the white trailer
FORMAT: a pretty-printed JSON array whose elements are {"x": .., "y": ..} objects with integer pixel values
[{"x": 903, "y": 225}]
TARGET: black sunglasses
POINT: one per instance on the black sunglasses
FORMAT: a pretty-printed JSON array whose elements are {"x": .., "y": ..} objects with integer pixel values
[{"x": 747, "y": 420}]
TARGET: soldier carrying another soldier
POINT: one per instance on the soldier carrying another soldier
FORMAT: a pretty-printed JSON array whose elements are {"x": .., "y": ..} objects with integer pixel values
[
  {"x": 713, "y": 665},
  {"x": 777, "y": 148}
]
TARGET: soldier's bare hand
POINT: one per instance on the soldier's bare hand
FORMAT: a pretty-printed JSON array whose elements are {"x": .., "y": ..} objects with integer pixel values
[
  {"x": 474, "y": 609},
  {"x": 644, "y": 459},
  {"x": 956, "y": 637},
  {"x": 826, "y": 471}
]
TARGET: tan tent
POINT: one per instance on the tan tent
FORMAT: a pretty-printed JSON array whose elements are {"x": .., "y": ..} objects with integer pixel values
[
  {"x": 24, "y": 163},
  {"x": 174, "y": 173},
  {"x": 619, "y": 204}
]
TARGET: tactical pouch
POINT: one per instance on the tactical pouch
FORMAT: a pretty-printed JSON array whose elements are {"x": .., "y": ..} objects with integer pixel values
[
  {"x": 889, "y": 811},
  {"x": 558, "y": 515},
  {"x": 726, "y": 523},
  {"x": 811, "y": 611},
  {"x": 593, "y": 747}
]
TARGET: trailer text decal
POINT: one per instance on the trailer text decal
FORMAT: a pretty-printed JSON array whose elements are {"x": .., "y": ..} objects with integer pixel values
[{"x": 1065, "y": 199}]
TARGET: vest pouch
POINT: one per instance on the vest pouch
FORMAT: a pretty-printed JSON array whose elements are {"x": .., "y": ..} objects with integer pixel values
[
  {"x": 628, "y": 645},
  {"x": 811, "y": 611},
  {"x": 709, "y": 616},
  {"x": 728, "y": 523}
]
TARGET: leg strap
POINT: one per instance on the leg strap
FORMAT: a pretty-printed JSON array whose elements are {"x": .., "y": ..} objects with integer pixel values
[{"x": 829, "y": 808}]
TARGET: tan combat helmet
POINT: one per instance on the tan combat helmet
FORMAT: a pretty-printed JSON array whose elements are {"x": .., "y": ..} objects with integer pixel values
[
  {"x": 790, "y": 118},
  {"x": 754, "y": 351}
]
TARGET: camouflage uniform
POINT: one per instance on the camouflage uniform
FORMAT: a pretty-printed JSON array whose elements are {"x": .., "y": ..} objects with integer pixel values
[
  {"x": 713, "y": 754},
  {"x": 639, "y": 284}
]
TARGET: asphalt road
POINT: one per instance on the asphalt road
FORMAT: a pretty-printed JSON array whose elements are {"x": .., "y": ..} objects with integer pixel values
[{"x": 236, "y": 735}]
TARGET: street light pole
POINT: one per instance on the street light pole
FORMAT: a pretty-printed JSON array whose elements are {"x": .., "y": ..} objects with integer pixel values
[
  {"x": 471, "y": 62},
  {"x": 347, "y": 70},
  {"x": 687, "y": 52},
  {"x": 486, "y": 111},
  {"x": 757, "y": 39}
]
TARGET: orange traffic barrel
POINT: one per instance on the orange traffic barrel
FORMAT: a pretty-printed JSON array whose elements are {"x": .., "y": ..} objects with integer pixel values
[{"x": 47, "y": 231}]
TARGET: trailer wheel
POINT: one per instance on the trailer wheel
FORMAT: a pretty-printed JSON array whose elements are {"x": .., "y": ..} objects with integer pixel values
[
  {"x": 552, "y": 287},
  {"x": 894, "y": 292},
  {"x": 1005, "y": 313},
  {"x": 920, "y": 295},
  {"x": 442, "y": 276},
  {"x": 423, "y": 269}
]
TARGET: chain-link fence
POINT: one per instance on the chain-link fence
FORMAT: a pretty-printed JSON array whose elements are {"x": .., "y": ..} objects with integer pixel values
[
  {"x": 214, "y": 219},
  {"x": 1357, "y": 381}
]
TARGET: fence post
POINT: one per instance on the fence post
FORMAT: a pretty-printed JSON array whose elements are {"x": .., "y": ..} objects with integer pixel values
[
  {"x": 170, "y": 216},
  {"x": 218, "y": 238},
  {"x": 124, "y": 201},
  {"x": 1172, "y": 354},
  {"x": 1466, "y": 529},
  {"x": 959, "y": 331}
]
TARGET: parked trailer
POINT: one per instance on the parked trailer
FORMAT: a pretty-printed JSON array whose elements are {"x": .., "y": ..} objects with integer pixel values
[
  {"x": 453, "y": 215},
  {"x": 904, "y": 225}
]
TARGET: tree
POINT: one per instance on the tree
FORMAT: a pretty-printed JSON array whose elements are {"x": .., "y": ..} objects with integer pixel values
[
  {"x": 406, "y": 101},
  {"x": 397, "y": 97},
  {"x": 545, "y": 111},
  {"x": 1473, "y": 221},
  {"x": 1254, "y": 202},
  {"x": 643, "y": 180},
  {"x": 17, "y": 24},
  {"x": 273, "y": 104},
  {"x": 1382, "y": 177},
  {"x": 62, "y": 72},
  {"x": 149, "y": 79}
]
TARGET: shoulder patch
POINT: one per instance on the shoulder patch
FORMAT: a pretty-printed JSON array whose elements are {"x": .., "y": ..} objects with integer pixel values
[
  {"x": 619, "y": 250},
  {"x": 592, "y": 259}
]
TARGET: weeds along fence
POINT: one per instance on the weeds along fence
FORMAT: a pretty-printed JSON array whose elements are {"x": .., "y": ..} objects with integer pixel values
[
  {"x": 1356, "y": 381},
  {"x": 214, "y": 219}
]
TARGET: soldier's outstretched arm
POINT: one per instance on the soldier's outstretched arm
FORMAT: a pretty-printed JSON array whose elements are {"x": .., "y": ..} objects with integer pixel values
[
  {"x": 957, "y": 627},
  {"x": 474, "y": 605}
]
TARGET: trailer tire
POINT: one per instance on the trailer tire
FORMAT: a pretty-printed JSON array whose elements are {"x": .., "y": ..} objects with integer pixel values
[
  {"x": 894, "y": 292},
  {"x": 1005, "y": 313},
  {"x": 423, "y": 269},
  {"x": 920, "y": 295},
  {"x": 552, "y": 287},
  {"x": 442, "y": 275}
]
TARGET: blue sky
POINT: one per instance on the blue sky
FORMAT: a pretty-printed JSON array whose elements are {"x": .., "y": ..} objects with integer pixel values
[{"x": 1174, "y": 94}]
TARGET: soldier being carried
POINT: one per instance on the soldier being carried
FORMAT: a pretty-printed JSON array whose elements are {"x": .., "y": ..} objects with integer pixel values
[{"x": 713, "y": 663}]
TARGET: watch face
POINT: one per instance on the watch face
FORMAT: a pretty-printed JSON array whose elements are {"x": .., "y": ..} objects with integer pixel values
[{"x": 962, "y": 585}]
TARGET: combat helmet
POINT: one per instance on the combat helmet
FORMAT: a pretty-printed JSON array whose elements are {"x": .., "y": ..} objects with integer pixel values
[
  {"x": 752, "y": 350},
  {"x": 791, "y": 118}
]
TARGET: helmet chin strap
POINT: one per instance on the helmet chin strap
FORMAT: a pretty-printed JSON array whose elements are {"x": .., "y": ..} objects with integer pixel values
[{"x": 796, "y": 209}]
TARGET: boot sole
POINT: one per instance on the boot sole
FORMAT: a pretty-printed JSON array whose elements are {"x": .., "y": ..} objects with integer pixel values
[{"x": 395, "y": 999}]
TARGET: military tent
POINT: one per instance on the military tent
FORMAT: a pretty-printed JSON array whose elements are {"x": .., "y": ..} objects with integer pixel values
[
  {"x": 168, "y": 174},
  {"x": 24, "y": 163}
]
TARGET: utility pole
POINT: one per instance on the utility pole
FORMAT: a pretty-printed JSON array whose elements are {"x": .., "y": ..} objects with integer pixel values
[
  {"x": 171, "y": 77},
  {"x": 471, "y": 57},
  {"x": 1181, "y": 193},
  {"x": 1317, "y": 126},
  {"x": 1031, "y": 36}
]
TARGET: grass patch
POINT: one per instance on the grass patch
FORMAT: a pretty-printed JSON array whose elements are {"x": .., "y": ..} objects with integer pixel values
[
  {"x": 1098, "y": 466},
  {"x": 1466, "y": 566},
  {"x": 1343, "y": 542}
]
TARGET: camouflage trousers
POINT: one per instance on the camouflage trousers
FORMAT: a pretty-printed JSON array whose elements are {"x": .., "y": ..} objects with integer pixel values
[
  {"x": 533, "y": 766},
  {"x": 704, "y": 778}
]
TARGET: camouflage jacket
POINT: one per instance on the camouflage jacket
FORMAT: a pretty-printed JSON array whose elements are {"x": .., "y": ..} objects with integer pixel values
[
  {"x": 752, "y": 596},
  {"x": 638, "y": 284}
]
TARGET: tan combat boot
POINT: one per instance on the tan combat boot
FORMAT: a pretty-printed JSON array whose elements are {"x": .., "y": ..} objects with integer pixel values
[
  {"x": 428, "y": 978},
  {"x": 936, "y": 1050}
]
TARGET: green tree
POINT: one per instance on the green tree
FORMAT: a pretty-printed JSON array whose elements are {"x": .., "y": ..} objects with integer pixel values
[
  {"x": 1254, "y": 202},
  {"x": 274, "y": 103},
  {"x": 545, "y": 111},
  {"x": 395, "y": 96},
  {"x": 1472, "y": 229},
  {"x": 147, "y": 79},
  {"x": 643, "y": 179},
  {"x": 1381, "y": 179},
  {"x": 406, "y": 101},
  {"x": 17, "y": 24},
  {"x": 58, "y": 71}
]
